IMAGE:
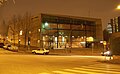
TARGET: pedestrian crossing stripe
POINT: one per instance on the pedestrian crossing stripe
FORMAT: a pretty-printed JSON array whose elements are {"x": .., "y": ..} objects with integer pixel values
[
  {"x": 44, "y": 73},
  {"x": 91, "y": 69},
  {"x": 99, "y": 71},
  {"x": 104, "y": 65},
  {"x": 81, "y": 71},
  {"x": 101, "y": 68},
  {"x": 63, "y": 72}
]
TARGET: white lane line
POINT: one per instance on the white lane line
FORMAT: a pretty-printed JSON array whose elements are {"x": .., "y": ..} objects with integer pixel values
[
  {"x": 105, "y": 65},
  {"x": 106, "y": 71},
  {"x": 81, "y": 71},
  {"x": 44, "y": 73},
  {"x": 62, "y": 72},
  {"x": 101, "y": 68},
  {"x": 90, "y": 69},
  {"x": 114, "y": 67}
]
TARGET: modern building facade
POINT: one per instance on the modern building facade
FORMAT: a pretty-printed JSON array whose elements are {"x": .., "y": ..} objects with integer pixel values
[{"x": 60, "y": 31}]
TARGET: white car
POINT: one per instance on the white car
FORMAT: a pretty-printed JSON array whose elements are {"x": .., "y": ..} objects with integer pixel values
[
  {"x": 107, "y": 53},
  {"x": 13, "y": 48},
  {"x": 6, "y": 46},
  {"x": 41, "y": 51}
]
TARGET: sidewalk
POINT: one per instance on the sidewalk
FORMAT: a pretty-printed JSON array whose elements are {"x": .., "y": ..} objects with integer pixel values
[
  {"x": 3, "y": 51},
  {"x": 76, "y": 51},
  {"x": 63, "y": 51}
]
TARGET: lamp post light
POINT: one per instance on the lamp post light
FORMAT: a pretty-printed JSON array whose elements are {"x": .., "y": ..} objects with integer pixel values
[{"x": 118, "y": 7}]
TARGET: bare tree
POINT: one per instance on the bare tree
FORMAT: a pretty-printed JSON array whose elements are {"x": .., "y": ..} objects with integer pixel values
[
  {"x": 27, "y": 27},
  {"x": 21, "y": 23},
  {"x": 14, "y": 26}
]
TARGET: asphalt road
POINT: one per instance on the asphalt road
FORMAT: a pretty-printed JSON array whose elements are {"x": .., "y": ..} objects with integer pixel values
[{"x": 54, "y": 64}]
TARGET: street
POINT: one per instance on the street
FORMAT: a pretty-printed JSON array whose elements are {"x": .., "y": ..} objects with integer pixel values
[{"x": 54, "y": 64}]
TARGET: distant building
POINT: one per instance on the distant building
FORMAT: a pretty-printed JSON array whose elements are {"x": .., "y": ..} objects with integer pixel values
[
  {"x": 115, "y": 23},
  {"x": 68, "y": 31},
  {"x": 112, "y": 27},
  {"x": 107, "y": 32},
  {"x": 114, "y": 35},
  {"x": 61, "y": 31},
  {"x": 109, "y": 28}
]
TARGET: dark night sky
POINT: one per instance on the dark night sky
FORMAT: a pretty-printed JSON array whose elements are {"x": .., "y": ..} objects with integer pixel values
[{"x": 104, "y": 9}]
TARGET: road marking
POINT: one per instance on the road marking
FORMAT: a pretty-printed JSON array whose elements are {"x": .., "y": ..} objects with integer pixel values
[
  {"x": 101, "y": 68},
  {"x": 44, "y": 73},
  {"x": 95, "y": 70},
  {"x": 114, "y": 67},
  {"x": 104, "y": 65},
  {"x": 90, "y": 69},
  {"x": 81, "y": 71},
  {"x": 62, "y": 72}
]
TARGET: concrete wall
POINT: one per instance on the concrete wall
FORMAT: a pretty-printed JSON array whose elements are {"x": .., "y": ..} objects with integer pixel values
[{"x": 99, "y": 32}]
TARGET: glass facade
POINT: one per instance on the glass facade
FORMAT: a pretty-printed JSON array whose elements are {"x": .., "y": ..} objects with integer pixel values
[
  {"x": 57, "y": 31},
  {"x": 64, "y": 32}
]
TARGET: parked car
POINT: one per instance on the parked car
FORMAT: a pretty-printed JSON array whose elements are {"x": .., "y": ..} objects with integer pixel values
[
  {"x": 41, "y": 51},
  {"x": 13, "y": 48},
  {"x": 1, "y": 45},
  {"x": 6, "y": 46},
  {"x": 107, "y": 53}
]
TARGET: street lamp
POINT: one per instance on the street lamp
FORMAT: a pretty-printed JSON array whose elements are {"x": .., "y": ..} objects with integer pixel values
[
  {"x": 118, "y": 7},
  {"x": 46, "y": 24}
]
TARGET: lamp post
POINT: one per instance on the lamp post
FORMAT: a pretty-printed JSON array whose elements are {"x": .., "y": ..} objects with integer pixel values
[{"x": 118, "y": 7}]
